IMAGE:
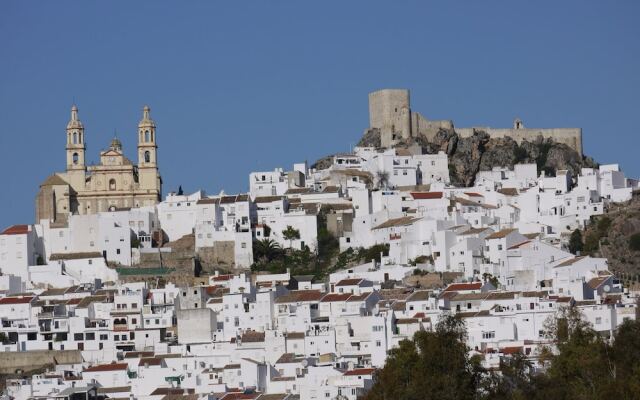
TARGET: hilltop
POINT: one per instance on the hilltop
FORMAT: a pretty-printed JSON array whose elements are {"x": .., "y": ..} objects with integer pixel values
[{"x": 481, "y": 152}]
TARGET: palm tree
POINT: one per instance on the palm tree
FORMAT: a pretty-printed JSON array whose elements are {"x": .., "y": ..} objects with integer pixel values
[
  {"x": 382, "y": 178},
  {"x": 290, "y": 234},
  {"x": 266, "y": 249}
]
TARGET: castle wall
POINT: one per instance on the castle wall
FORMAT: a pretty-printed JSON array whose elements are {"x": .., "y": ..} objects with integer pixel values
[
  {"x": 420, "y": 126},
  {"x": 390, "y": 112},
  {"x": 572, "y": 137}
]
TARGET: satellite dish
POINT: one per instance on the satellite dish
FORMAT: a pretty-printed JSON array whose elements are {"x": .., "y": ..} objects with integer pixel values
[
  {"x": 305, "y": 363},
  {"x": 607, "y": 288}
]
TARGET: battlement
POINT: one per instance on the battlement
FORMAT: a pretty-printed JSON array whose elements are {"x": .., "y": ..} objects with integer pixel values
[
  {"x": 390, "y": 112},
  {"x": 572, "y": 137}
]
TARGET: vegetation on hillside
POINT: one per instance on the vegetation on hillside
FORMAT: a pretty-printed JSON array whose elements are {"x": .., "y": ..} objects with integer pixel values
[
  {"x": 583, "y": 365},
  {"x": 616, "y": 237},
  {"x": 270, "y": 257}
]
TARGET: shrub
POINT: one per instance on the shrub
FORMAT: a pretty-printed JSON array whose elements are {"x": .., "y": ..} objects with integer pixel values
[{"x": 634, "y": 242}]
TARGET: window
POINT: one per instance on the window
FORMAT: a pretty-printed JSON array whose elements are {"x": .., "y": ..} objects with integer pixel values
[
  {"x": 598, "y": 320},
  {"x": 499, "y": 247},
  {"x": 75, "y": 158},
  {"x": 117, "y": 251},
  {"x": 147, "y": 136},
  {"x": 147, "y": 156},
  {"x": 489, "y": 335},
  {"x": 112, "y": 184}
]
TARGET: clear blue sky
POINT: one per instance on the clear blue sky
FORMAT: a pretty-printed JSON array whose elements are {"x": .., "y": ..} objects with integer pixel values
[{"x": 241, "y": 86}]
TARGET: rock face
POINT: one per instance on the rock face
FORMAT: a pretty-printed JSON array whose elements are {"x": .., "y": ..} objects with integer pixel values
[
  {"x": 371, "y": 138},
  {"x": 323, "y": 163},
  {"x": 614, "y": 242},
  {"x": 480, "y": 152}
]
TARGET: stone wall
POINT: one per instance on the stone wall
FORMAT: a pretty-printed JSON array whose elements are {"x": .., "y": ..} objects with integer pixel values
[
  {"x": 390, "y": 112},
  {"x": 222, "y": 253},
  {"x": 10, "y": 362},
  {"x": 572, "y": 137}
]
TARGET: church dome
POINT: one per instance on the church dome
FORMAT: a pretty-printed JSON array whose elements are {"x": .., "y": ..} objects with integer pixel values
[{"x": 116, "y": 144}]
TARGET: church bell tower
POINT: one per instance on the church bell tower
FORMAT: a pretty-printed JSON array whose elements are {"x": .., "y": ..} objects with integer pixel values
[
  {"x": 75, "y": 142},
  {"x": 148, "y": 175},
  {"x": 76, "y": 166}
]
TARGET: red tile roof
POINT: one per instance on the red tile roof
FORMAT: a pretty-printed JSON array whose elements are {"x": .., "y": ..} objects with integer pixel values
[
  {"x": 16, "y": 230},
  {"x": 511, "y": 350},
  {"x": 426, "y": 195},
  {"x": 463, "y": 286},
  {"x": 360, "y": 371},
  {"x": 516, "y": 246},
  {"x": 349, "y": 282},
  {"x": 222, "y": 277},
  {"x": 472, "y": 194},
  {"x": 335, "y": 297},
  {"x": 15, "y": 300},
  {"x": 107, "y": 367},
  {"x": 240, "y": 396}
]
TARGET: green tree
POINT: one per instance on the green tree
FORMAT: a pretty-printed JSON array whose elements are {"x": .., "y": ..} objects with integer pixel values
[
  {"x": 290, "y": 234},
  {"x": 382, "y": 179},
  {"x": 581, "y": 369},
  {"x": 626, "y": 355},
  {"x": 575, "y": 242},
  {"x": 603, "y": 226},
  {"x": 266, "y": 250},
  {"x": 634, "y": 241},
  {"x": 434, "y": 365},
  {"x": 591, "y": 242}
]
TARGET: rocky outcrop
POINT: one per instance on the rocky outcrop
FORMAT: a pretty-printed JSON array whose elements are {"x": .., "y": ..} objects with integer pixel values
[
  {"x": 371, "y": 138},
  {"x": 323, "y": 163},
  {"x": 480, "y": 152}
]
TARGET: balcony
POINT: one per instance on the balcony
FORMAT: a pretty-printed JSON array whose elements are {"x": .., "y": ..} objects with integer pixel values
[{"x": 120, "y": 327}]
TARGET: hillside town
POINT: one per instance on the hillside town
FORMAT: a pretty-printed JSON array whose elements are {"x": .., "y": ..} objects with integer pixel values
[{"x": 91, "y": 306}]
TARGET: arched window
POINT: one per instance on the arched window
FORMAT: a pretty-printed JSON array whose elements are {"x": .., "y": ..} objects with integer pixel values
[
  {"x": 147, "y": 136},
  {"x": 112, "y": 184},
  {"x": 75, "y": 158},
  {"x": 147, "y": 156},
  {"x": 75, "y": 137}
]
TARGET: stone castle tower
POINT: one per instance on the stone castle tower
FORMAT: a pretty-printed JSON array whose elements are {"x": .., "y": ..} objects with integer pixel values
[
  {"x": 112, "y": 184},
  {"x": 390, "y": 113}
]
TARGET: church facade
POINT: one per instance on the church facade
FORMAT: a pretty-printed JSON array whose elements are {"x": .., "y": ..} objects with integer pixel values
[{"x": 114, "y": 183}]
